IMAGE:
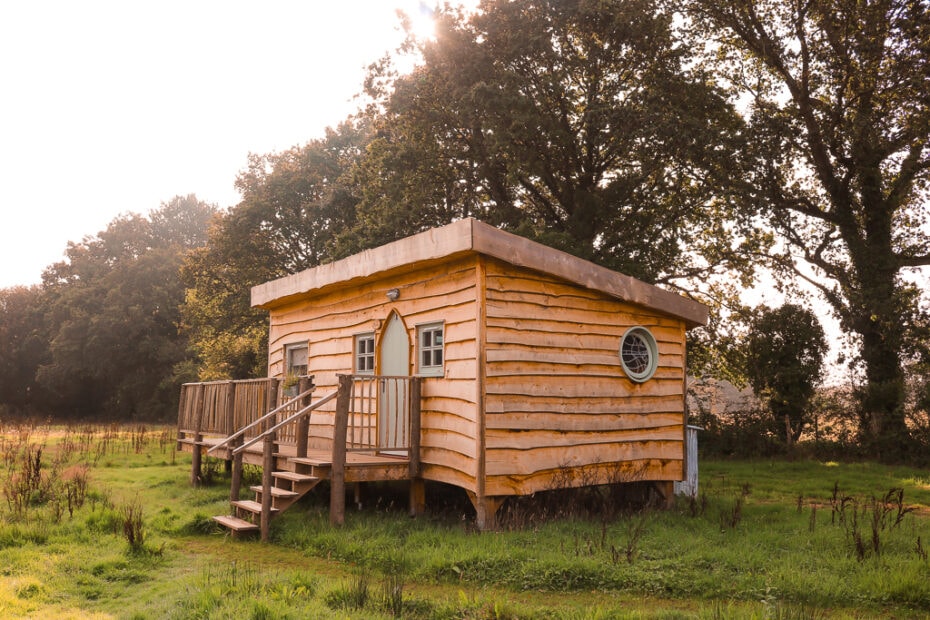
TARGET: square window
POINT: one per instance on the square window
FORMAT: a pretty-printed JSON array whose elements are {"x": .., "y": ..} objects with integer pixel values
[
  {"x": 365, "y": 354},
  {"x": 295, "y": 359},
  {"x": 430, "y": 349}
]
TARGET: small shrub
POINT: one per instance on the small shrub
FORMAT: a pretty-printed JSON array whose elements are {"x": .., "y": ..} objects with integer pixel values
[
  {"x": 261, "y": 611},
  {"x": 133, "y": 525},
  {"x": 352, "y": 595},
  {"x": 393, "y": 594}
]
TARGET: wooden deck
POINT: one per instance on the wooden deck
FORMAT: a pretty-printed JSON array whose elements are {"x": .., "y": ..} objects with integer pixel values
[
  {"x": 360, "y": 466},
  {"x": 225, "y": 420}
]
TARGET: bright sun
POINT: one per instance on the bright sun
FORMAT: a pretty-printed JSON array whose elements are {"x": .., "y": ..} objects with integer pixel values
[{"x": 422, "y": 24}]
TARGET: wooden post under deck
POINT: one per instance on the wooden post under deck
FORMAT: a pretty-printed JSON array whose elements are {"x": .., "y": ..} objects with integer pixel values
[
  {"x": 417, "y": 487},
  {"x": 486, "y": 510},
  {"x": 337, "y": 498}
]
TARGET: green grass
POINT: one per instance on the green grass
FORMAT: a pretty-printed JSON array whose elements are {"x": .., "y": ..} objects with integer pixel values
[{"x": 765, "y": 539}]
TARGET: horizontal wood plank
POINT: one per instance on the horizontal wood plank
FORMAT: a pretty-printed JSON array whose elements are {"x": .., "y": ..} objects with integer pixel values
[
  {"x": 527, "y": 461},
  {"x": 540, "y": 403},
  {"x": 582, "y": 387},
  {"x": 547, "y": 480},
  {"x": 513, "y": 439},
  {"x": 596, "y": 422}
]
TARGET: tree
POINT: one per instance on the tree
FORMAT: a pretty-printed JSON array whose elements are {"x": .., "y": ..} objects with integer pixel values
[
  {"x": 114, "y": 313},
  {"x": 24, "y": 343},
  {"x": 838, "y": 162},
  {"x": 578, "y": 124},
  {"x": 294, "y": 204},
  {"x": 785, "y": 352}
]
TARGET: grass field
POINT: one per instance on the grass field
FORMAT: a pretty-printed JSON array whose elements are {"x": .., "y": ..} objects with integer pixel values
[{"x": 100, "y": 522}]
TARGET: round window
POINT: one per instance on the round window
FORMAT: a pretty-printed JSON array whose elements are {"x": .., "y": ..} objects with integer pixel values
[{"x": 639, "y": 354}]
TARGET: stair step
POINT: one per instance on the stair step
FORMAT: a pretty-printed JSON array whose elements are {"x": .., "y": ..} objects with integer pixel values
[
  {"x": 293, "y": 476},
  {"x": 251, "y": 506},
  {"x": 275, "y": 491},
  {"x": 311, "y": 461},
  {"x": 235, "y": 523}
]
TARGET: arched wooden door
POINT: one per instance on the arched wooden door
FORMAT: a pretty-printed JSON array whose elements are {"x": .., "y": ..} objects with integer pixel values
[{"x": 394, "y": 361}]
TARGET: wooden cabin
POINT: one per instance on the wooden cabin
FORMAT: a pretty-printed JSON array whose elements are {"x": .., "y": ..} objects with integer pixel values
[{"x": 531, "y": 369}]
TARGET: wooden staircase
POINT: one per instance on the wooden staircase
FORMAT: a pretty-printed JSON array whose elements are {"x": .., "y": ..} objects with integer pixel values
[
  {"x": 289, "y": 487},
  {"x": 302, "y": 475},
  {"x": 359, "y": 451}
]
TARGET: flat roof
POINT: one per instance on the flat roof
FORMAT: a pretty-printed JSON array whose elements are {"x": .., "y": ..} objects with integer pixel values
[{"x": 472, "y": 236}]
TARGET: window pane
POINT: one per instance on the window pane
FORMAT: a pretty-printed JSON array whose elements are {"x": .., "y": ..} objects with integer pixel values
[{"x": 364, "y": 353}]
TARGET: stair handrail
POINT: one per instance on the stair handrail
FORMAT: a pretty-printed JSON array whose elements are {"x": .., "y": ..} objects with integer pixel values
[
  {"x": 286, "y": 421},
  {"x": 261, "y": 420}
]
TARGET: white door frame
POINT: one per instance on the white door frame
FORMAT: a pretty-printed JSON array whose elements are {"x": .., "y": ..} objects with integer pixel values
[{"x": 393, "y": 360}]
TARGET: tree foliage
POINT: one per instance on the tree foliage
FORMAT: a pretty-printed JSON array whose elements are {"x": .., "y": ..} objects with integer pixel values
[
  {"x": 838, "y": 162},
  {"x": 24, "y": 341},
  {"x": 294, "y": 204},
  {"x": 578, "y": 124},
  {"x": 785, "y": 352},
  {"x": 113, "y": 310}
]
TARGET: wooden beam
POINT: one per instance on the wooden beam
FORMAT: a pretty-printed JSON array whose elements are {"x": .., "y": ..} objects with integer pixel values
[
  {"x": 267, "y": 469},
  {"x": 417, "y": 497},
  {"x": 268, "y": 462},
  {"x": 486, "y": 510},
  {"x": 481, "y": 473},
  {"x": 303, "y": 424},
  {"x": 337, "y": 483},
  {"x": 415, "y": 411},
  {"x": 197, "y": 454}
]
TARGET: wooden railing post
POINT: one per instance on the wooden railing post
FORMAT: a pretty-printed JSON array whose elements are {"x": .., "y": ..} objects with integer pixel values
[
  {"x": 268, "y": 461},
  {"x": 337, "y": 498},
  {"x": 417, "y": 487},
  {"x": 182, "y": 403},
  {"x": 228, "y": 413},
  {"x": 303, "y": 424},
  {"x": 197, "y": 456},
  {"x": 236, "y": 477},
  {"x": 414, "y": 448}
]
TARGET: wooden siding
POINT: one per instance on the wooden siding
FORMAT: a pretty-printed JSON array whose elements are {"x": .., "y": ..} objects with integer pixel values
[
  {"x": 328, "y": 320},
  {"x": 559, "y": 409}
]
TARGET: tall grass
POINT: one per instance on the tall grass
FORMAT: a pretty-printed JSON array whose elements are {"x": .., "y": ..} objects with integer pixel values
[{"x": 763, "y": 539}]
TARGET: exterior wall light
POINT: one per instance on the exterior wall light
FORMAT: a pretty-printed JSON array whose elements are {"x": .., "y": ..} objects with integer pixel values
[{"x": 393, "y": 294}]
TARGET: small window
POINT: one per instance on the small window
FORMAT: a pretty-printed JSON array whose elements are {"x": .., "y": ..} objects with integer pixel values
[
  {"x": 295, "y": 357},
  {"x": 429, "y": 349},
  {"x": 639, "y": 354},
  {"x": 365, "y": 354}
]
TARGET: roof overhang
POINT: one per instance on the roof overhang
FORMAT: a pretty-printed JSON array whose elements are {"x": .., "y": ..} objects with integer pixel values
[{"x": 471, "y": 236}]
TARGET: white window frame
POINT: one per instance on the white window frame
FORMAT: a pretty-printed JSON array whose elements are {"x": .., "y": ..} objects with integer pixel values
[
  {"x": 289, "y": 350},
  {"x": 637, "y": 343},
  {"x": 363, "y": 354},
  {"x": 427, "y": 352}
]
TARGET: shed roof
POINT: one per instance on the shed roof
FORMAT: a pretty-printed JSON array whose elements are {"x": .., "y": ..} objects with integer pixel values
[{"x": 471, "y": 236}]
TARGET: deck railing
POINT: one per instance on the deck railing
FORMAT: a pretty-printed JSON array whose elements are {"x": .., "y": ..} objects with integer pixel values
[
  {"x": 373, "y": 413},
  {"x": 379, "y": 410},
  {"x": 222, "y": 407}
]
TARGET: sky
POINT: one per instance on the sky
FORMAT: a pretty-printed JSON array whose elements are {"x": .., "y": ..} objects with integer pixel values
[{"x": 109, "y": 107}]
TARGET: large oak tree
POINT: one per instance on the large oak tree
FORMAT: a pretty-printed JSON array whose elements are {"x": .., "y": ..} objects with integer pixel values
[
  {"x": 580, "y": 124},
  {"x": 837, "y": 94}
]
